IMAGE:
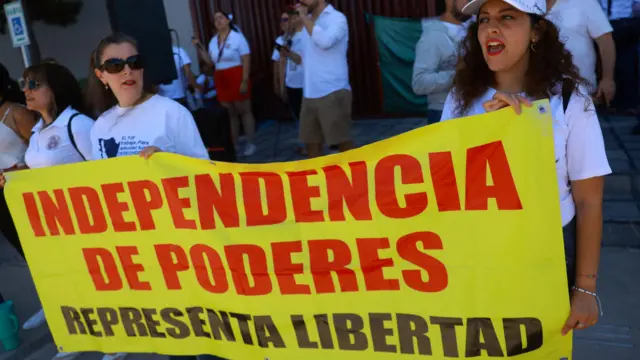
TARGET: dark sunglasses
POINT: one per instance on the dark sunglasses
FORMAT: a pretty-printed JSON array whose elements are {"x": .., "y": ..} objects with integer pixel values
[
  {"x": 284, "y": 20},
  {"x": 29, "y": 84},
  {"x": 114, "y": 65}
]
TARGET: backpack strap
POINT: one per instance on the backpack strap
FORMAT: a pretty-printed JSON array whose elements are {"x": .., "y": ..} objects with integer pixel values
[
  {"x": 72, "y": 138},
  {"x": 567, "y": 90}
]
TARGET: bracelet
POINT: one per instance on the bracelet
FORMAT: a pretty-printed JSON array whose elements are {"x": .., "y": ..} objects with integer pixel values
[{"x": 575, "y": 288}]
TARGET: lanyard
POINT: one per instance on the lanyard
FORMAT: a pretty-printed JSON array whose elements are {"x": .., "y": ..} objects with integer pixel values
[{"x": 221, "y": 48}]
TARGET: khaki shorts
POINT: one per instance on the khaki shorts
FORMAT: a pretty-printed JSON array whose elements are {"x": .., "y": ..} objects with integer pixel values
[{"x": 326, "y": 119}]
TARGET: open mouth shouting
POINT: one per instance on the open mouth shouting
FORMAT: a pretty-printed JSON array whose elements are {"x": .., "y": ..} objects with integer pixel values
[{"x": 494, "y": 47}]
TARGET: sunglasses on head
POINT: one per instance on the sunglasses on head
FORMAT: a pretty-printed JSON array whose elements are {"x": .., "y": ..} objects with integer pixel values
[
  {"x": 29, "y": 84},
  {"x": 115, "y": 65}
]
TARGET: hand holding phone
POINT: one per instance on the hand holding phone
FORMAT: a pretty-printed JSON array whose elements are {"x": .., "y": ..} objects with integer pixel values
[{"x": 281, "y": 47}]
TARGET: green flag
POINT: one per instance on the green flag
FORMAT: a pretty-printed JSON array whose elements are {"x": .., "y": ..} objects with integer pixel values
[{"x": 397, "y": 39}]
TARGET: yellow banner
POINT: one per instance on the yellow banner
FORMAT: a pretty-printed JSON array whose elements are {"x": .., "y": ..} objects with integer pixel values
[{"x": 444, "y": 242}]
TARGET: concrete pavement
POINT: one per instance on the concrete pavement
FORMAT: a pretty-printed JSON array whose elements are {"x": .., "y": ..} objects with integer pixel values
[{"x": 616, "y": 337}]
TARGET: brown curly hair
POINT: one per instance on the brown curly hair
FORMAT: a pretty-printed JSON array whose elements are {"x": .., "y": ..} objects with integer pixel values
[{"x": 549, "y": 65}]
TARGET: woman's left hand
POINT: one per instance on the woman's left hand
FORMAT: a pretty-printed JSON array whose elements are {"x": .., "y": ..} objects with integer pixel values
[
  {"x": 3, "y": 181},
  {"x": 244, "y": 86},
  {"x": 584, "y": 312},
  {"x": 502, "y": 100},
  {"x": 148, "y": 151}
]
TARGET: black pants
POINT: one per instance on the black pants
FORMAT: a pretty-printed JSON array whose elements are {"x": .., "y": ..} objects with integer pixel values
[
  {"x": 295, "y": 101},
  {"x": 7, "y": 227},
  {"x": 626, "y": 33}
]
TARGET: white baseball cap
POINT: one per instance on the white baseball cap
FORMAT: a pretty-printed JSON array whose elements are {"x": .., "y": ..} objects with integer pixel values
[{"x": 538, "y": 7}]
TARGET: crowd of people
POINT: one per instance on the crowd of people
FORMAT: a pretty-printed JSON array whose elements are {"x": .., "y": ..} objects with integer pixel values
[
  {"x": 479, "y": 56},
  {"x": 48, "y": 121}
]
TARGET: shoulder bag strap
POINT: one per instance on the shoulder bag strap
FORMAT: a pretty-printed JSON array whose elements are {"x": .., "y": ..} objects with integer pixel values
[
  {"x": 567, "y": 90},
  {"x": 72, "y": 138}
]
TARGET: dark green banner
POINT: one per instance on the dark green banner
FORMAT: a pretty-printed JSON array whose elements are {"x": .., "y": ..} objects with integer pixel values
[{"x": 397, "y": 39}]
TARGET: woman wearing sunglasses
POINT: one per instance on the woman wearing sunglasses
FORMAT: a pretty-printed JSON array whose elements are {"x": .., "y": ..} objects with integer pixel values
[
  {"x": 229, "y": 54},
  {"x": 133, "y": 120},
  {"x": 61, "y": 136},
  {"x": 512, "y": 56}
]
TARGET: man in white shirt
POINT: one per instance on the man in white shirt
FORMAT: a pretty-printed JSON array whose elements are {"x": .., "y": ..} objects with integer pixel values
[
  {"x": 177, "y": 89},
  {"x": 626, "y": 33},
  {"x": 288, "y": 58},
  {"x": 326, "y": 107},
  {"x": 581, "y": 22}
]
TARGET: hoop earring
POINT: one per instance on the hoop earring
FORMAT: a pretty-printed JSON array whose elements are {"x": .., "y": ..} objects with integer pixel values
[{"x": 533, "y": 46}]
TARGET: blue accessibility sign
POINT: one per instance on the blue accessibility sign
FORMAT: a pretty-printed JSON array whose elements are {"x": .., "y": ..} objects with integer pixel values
[{"x": 17, "y": 24}]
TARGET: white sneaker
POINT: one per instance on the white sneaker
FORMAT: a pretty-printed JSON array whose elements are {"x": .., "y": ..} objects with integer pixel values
[
  {"x": 35, "y": 321},
  {"x": 66, "y": 355},
  {"x": 118, "y": 356},
  {"x": 250, "y": 150}
]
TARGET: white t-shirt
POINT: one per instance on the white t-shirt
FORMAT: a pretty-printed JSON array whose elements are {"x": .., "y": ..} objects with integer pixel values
[
  {"x": 294, "y": 78},
  {"x": 159, "y": 122},
  {"x": 578, "y": 141},
  {"x": 325, "y": 57},
  {"x": 580, "y": 22},
  {"x": 51, "y": 145},
  {"x": 177, "y": 89},
  {"x": 210, "y": 85},
  {"x": 235, "y": 47}
]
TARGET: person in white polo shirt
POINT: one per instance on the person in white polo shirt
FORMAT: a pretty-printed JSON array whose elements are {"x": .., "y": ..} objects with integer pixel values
[
  {"x": 581, "y": 22},
  {"x": 61, "y": 136},
  {"x": 513, "y": 56},
  {"x": 230, "y": 54},
  {"x": 326, "y": 108},
  {"x": 177, "y": 89}
]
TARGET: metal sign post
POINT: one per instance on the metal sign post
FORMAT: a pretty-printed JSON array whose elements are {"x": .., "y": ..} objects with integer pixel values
[{"x": 18, "y": 29}]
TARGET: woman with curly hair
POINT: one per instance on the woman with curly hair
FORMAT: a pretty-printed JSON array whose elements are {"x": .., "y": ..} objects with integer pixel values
[{"x": 512, "y": 56}]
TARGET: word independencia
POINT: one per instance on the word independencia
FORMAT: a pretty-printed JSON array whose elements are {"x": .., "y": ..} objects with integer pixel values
[{"x": 98, "y": 210}]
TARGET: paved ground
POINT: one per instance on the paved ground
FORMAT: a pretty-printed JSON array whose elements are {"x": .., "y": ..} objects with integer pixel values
[{"x": 616, "y": 337}]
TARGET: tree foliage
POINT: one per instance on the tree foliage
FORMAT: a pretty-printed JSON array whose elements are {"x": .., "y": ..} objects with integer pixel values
[{"x": 50, "y": 12}]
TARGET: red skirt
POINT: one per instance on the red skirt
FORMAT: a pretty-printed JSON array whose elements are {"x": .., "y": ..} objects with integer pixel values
[{"x": 228, "y": 83}]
